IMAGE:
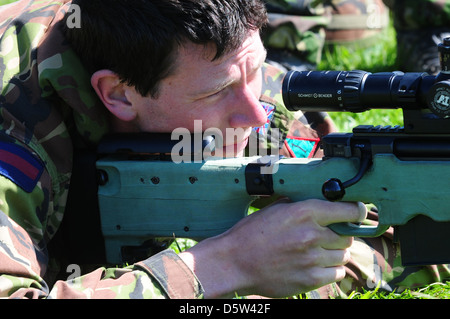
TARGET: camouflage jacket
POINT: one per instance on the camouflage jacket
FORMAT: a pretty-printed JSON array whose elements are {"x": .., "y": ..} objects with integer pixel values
[{"x": 47, "y": 108}]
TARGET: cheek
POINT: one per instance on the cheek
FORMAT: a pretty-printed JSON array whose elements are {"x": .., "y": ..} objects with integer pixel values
[
  {"x": 210, "y": 117},
  {"x": 192, "y": 117},
  {"x": 160, "y": 115}
]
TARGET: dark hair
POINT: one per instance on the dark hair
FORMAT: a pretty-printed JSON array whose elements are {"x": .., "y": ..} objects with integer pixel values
[{"x": 138, "y": 39}]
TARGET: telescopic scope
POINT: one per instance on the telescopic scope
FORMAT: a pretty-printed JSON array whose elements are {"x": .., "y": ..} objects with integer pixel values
[{"x": 359, "y": 91}]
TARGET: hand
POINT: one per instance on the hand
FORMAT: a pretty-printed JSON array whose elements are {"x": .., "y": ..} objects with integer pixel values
[{"x": 281, "y": 250}]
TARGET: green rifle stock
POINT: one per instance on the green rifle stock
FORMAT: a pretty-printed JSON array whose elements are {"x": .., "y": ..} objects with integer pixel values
[
  {"x": 403, "y": 171},
  {"x": 145, "y": 198}
]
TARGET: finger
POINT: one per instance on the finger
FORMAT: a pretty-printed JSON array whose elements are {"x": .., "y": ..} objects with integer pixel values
[
  {"x": 335, "y": 257},
  {"x": 324, "y": 276},
  {"x": 281, "y": 200},
  {"x": 362, "y": 212},
  {"x": 327, "y": 213},
  {"x": 340, "y": 273},
  {"x": 331, "y": 240},
  {"x": 323, "y": 258}
]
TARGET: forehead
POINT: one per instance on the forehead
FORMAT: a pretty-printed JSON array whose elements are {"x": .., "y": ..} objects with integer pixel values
[{"x": 194, "y": 57}]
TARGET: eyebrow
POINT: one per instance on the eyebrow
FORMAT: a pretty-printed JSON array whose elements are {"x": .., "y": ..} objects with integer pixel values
[{"x": 221, "y": 85}]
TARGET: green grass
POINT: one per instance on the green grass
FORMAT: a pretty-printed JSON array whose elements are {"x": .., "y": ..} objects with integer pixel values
[
  {"x": 2, "y": 2},
  {"x": 433, "y": 291}
]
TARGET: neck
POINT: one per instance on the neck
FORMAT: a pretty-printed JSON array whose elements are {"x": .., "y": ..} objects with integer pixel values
[{"x": 119, "y": 126}]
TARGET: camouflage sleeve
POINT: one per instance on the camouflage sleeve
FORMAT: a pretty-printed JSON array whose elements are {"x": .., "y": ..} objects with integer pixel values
[{"x": 22, "y": 268}]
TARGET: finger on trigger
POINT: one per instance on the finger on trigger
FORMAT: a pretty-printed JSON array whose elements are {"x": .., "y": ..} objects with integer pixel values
[{"x": 362, "y": 212}]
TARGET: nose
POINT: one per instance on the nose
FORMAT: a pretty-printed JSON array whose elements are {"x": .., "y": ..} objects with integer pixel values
[{"x": 248, "y": 111}]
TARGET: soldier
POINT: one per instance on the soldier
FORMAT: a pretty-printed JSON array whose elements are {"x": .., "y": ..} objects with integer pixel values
[
  {"x": 298, "y": 31},
  {"x": 67, "y": 83},
  {"x": 420, "y": 26},
  {"x": 53, "y": 102}
]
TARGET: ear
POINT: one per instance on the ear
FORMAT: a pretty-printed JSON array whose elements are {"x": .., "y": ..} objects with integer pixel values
[{"x": 113, "y": 93}]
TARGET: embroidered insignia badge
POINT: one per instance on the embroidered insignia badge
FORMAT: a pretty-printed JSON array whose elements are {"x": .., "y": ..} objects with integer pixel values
[{"x": 20, "y": 166}]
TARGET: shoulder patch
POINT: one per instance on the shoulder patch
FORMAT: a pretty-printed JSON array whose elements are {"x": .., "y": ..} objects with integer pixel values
[
  {"x": 270, "y": 109},
  {"x": 20, "y": 166},
  {"x": 301, "y": 147}
]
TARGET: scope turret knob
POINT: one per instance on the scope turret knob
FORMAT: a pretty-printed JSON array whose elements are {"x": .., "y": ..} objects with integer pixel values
[
  {"x": 444, "y": 54},
  {"x": 333, "y": 190}
]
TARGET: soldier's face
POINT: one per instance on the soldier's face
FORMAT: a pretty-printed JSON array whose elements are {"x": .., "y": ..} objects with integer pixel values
[{"x": 221, "y": 94}]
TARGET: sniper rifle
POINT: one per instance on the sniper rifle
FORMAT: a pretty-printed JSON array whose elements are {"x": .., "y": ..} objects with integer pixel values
[{"x": 404, "y": 171}]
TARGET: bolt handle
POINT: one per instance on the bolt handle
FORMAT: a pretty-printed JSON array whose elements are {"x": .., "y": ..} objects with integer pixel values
[{"x": 333, "y": 190}]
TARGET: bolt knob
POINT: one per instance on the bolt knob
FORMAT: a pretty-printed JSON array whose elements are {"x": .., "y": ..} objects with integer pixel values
[{"x": 333, "y": 190}]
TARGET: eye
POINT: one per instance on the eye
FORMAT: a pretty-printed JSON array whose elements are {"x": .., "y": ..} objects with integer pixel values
[{"x": 217, "y": 94}]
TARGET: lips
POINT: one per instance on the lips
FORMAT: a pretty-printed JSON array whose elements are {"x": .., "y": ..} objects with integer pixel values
[
  {"x": 232, "y": 144},
  {"x": 231, "y": 150},
  {"x": 235, "y": 149}
]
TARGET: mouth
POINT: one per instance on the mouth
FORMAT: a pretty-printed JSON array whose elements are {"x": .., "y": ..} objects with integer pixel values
[
  {"x": 231, "y": 150},
  {"x": 235, "y": 149}
]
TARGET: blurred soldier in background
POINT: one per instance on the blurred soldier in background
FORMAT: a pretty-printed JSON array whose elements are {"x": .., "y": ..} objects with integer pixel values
[
  {"x": 299, "y": 29},
  {"x": 420, "y": 26}
]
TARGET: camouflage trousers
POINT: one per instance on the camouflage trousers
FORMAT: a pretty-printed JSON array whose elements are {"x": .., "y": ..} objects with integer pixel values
[{"x": 376, "y": 263}]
